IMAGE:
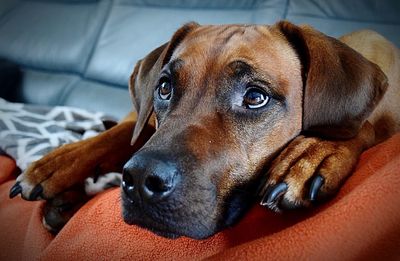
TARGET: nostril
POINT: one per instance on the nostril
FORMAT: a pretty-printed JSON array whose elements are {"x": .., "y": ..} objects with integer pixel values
[
  {"x": 127, "y": 179},
  {"x": 157, "y": 185},
  {"x": 127, "y": 184}
]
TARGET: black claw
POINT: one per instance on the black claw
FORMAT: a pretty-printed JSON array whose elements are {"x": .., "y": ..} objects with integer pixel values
[
  {"x": 273, "y": 193},
  {"x": 109, "y": 123},
  {"x": 36, "y": 192},
  {"x": 15, "y": 190},
  {"x": 316, "y": 184}
]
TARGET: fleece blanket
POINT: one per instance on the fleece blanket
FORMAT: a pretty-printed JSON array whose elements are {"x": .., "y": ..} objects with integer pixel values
[{"x": 361, "y": 223}]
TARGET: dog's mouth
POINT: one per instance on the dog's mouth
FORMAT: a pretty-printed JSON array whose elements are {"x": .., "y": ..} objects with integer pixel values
[
  {"x": 168, "y": 219},
  {"x": 176, "y": 222},
  {"x": 153, "y": 226},
  {"x": 134, "y": 214}
]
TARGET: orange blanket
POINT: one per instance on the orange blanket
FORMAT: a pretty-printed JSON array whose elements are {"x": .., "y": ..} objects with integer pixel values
[{"x": 362, "y": 222}]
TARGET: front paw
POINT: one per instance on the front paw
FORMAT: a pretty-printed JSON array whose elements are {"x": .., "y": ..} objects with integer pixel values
[
  {"x": 309, "y": 170},
  {"x": 59, "y": 210},
  {"x": 56, "y": 172}
]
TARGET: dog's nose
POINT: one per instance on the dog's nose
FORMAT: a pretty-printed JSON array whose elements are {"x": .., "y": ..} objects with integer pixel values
[{"x": 149, "y": 177}]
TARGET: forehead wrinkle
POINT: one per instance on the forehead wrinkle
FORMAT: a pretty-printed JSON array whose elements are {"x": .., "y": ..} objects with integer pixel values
[
  {"x": 268, "y": 56},
  {"x": 243, "y": 69},
  {"x": 194, "y": 80},
  {"x": 208, "y": 50},
  {"x": 214, "y": 39},
  {"x": 174, "y": 65}
]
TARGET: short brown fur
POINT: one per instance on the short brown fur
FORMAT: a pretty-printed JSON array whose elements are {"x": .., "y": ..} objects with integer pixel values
[{"x": 327, "y": 104}]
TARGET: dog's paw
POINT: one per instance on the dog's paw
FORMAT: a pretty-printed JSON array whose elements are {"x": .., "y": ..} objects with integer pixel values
[
  {"x": 59, "y": 170},
  {"x": 59, "y": 210},
  {"x": 310, "y": 170}
]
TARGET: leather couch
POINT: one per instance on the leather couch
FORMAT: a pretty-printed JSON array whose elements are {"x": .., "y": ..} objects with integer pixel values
[{"x": 81, "y": 52}]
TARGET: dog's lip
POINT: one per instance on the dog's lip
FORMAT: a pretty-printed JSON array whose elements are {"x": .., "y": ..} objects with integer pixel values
[
  {"x": 127, "y": 198},
  {"x": 161, "y": 232},
  {"x": 154, "y": 227},
  {"x": 146, "y": 221}
]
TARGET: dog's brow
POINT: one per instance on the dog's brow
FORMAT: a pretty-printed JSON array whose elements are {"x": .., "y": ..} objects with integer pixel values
[
  {"x": 175, "y": 65},
  {"x": 242, "y": 69}
]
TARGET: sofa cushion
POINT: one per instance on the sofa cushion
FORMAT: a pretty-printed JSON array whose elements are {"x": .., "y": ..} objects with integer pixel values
[
  {"x": 339, "y": 17},
  {"x": 52, "y": 35},
  {"x": 129, "y": 34},
  {"x": 376, "y": 11},
  {"x": 95, "y": 96},
  {"x": 207, "y": 4},
  {"x": 7, "y": 5},
  {"x": 338, "y": 28},
  {"x": 43, "y": 87}
]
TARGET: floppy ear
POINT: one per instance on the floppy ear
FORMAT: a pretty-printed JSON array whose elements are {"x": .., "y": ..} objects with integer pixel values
[
  {"x": 145, "y": 76},
  {"x": 341, "y": 87}
]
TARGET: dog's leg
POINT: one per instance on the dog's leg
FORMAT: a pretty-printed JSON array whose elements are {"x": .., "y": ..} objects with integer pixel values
[
  {"x": 71, "y": 164},
  {"x": 59, "y": 177},
  {"x": 311, "y": 169},
  {"x": 59, "y": 210}
]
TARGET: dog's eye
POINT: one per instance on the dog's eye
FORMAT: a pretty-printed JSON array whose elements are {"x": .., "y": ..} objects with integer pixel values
[
  {"x": 255, "y": 98},
  {"x": 165, "y": 88}
]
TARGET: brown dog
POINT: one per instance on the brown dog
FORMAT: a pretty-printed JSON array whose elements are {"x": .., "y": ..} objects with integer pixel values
[{"x": 236, "y": 106}]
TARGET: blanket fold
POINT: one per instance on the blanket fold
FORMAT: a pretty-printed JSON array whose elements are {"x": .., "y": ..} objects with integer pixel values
[{"x": 360, "y": 223}]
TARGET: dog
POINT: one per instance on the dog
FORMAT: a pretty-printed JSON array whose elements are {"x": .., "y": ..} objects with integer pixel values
[{"x": 227, "y": 115}]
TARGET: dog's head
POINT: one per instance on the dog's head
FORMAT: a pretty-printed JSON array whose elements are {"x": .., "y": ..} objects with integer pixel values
[{"x": 226, "y": 99}]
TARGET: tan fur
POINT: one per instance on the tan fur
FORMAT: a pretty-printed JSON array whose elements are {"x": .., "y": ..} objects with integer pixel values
[{"x": 378, "y": 50}]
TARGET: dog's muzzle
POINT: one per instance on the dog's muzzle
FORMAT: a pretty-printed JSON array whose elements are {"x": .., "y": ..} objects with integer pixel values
[{"x": 162, "y": 191}]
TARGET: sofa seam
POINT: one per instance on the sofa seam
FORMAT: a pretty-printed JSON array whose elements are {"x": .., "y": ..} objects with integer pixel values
[
  {"x": 69, "y": 73},
  {"x": 8, "y": 12},
  {"x": 346, "y": 19},
  {"x": 97, "y": 38},
  {"x": 286, "y": 10},
  {"x": 67, "y": 89},
  {"x": 188, "y": 8}
]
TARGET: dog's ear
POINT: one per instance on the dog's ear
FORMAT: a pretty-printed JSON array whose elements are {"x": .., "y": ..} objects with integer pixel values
[
  {"x": 341, "y": 87},
  {"x": 141, "y": 86},
  {"x": 144, "y": 78}
]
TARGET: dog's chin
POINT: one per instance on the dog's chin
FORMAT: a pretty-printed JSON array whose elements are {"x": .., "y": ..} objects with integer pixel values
[
  {"x": 232, "y": 212},
  {"x": 167, "y": 232},
  {"x": 133, "y": 215},
  {"x": 159, "y": 232}
]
